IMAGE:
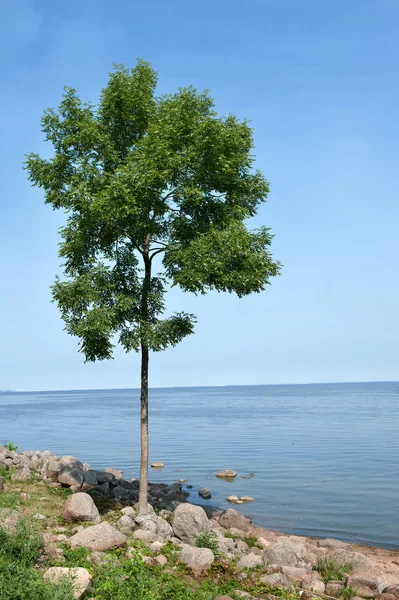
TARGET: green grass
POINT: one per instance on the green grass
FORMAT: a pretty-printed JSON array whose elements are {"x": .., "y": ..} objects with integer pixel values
[
  {"x": 330, "y": 569},
  {"x": 208, "y": 539},
  {"x": 252, "y": 542},
  {"x": 10, "y": 446}
]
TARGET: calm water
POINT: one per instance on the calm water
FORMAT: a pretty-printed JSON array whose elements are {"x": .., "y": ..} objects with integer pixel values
[{"x": 325, "y": 457}]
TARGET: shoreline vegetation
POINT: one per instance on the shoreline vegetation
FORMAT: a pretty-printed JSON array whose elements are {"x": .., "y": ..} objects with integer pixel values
[{"x": 68, "y": 531}]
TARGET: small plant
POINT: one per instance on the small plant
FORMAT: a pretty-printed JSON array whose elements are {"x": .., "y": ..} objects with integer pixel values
[
  {"x": 348, "y": 592},
  {"x": 251, "y": 542},
  {"x": 331, "y": 569},
  {"x": 230, "y": 535},
  {"x": 208, "y": 539},
  {"x": 10, "y": 446}
]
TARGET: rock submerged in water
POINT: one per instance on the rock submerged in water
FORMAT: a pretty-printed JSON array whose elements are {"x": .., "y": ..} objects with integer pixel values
[
  {"x": 157, "y": 465},
  {"x": 204, "y": 493},
  {"x": 226, "y": 474}
]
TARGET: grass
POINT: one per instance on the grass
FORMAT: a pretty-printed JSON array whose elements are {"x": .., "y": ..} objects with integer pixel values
[
  {"x": 208, "y": 539},
  {"x": 332, "y": 570}
]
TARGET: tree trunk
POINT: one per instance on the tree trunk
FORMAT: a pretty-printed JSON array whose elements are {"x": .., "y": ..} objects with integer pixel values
[{"x": 143, "y": 493}]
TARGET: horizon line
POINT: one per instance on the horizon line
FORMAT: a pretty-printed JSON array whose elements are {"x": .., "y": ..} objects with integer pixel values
[{"x": 173, "y": 387}]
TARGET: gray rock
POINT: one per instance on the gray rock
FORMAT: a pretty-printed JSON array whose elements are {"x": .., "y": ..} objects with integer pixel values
[
  {"x": 313, "y": 583},
  {"x": 124, "y": 495},
  {"x": 290, "y": 552},
  {"x": 331, "y": 544},
  {"x": 116, "y": 472},
  {"x": 249, "y": 561},
  {"x": 365, "y": 586},
  {"x": 204, "y": 493},
  {"x": 277, "y": 580},
  {"x": 22, "y": 474},
  {"x": 156, "y": 547},
  {"x": 104, "y": 477},
  {"x": 226, "y": 474},
  {"x": 79, "y": 577},
  {"x": 80, "y": 507},
  {"x": 128, "y": 511},
  {"x": 90, "y": 477},
  {"x": 296, "y": 574},
  {"x": 335, "y": 588},
  {"x": 392, "y": 589},
  {"x": 98, "y": 537},
  {"x": 232, "y": 518},
  {"x": 197, "y": 559},
  {"x": 146, "y": 536},
  {"x": 105, "y": 489},
  {"x": 188, "y": 522},
  {"x": 226, "y": 545},
  {"x": 52, "y": 469},
  {"x": 359, "y": 562},
  {"x": 71, "y": 477},
  {"x": 126, "y": 522},
  {"x": 70, "y": 462}
]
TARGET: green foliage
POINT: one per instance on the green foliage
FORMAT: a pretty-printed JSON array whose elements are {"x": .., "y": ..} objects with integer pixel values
[
  {"x": 252, "y": 542},
  {"x": 75, "y": 558},
  {"x": 10, "y": 446},
  {"x": 348, "y": 593},
  {"x": 143, "y": 176},
  {"x": 208, "y": 539},
  {"x": 330, "y": 569},
  {"x": 19, "y": 580}
]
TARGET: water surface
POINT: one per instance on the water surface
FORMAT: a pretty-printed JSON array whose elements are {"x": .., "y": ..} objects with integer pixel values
[{"x": 325, "y": 457}]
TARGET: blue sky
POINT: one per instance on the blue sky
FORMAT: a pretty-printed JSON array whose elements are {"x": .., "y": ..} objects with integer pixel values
[{"x": 319, "y": 81}]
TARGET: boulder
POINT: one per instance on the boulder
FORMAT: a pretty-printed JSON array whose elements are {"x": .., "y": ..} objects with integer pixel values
[
  {"x": 126, "y": 522},
  {"x": 359, "y": 562},
  {"x": 197, "y": 559},
  {"x": 104, "y": 477},
  {"x": 147, "y": 536},
  {"x": 277, "y": 580},
  {"x": 98, "y": 537},
  {"x": 296, "y": 574},
  {"x": 232, "y": 518},
  {"x": 365, "y": 586},
  {"x": 204, "y": 493},
  {"x": 226, "y": 474},
  {"x": 79, "y": 577},
  {"x": 157, "y": 465},
  {"x": 156, "y": 547},
  {"x": 249, "y": 561},
  {"x": 9, "y": 519},
  {"x": 22, "y": 474},
  {"x": 225, "y": 544},
  {"x": 90, "y": 478},
  {"x": 290, "y": 552},
  {"x": 80, "y": 507},
  {"x": 313, "y": 583},
  {"x": 392, "y": 589},
  {"x": 188, "y": 522},
  {"x": 335, "y": 588},
  {"x": 331, "y": 544},
  {"x": 233, "y": 499},
  {"x": 159, "y": 560},
  {"x": 116, "y": 472},
  {"x": 123, "y": 494},
  {"x": 52, "y": 470},
  {"x": 70, "y": 462},
  {"x": 129, "y": 511},
  {"x": 247, "y": 499},
  {"x": 71, "y": 477}
]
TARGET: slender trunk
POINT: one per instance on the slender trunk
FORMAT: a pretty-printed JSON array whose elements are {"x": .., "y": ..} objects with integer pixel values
[{"x": 143, "y": 492}]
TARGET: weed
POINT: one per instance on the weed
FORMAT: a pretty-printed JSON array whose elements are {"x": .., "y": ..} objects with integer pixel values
[
  {"x": 348, "y": 592},
  {"x": 10, "y": 446},
  {"x": 252, "y": 542},
  {"x": 208, "y": 539},
  {"x": 331, "y": 569}
]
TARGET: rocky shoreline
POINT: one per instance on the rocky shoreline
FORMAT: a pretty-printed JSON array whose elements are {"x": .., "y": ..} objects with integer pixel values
[{"x": 103, "y": 509}]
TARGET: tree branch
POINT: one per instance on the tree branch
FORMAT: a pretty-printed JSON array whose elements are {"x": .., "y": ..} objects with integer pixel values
[{"x": 157, "y": 251}]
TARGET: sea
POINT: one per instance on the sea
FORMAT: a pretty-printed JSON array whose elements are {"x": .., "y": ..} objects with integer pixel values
[{"x": 319, "y": 460}]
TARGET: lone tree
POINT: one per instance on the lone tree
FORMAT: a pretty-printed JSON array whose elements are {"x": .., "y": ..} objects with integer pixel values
[{"x": 140, "y": 176}]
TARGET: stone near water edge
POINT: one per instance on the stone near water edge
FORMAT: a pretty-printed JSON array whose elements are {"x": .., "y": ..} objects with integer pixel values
[
  {"x": 98, "y": 537},
  {"x": 90, "y": 478},
  {"x": 290, "y": 552},
  {"x": 116, "y": 472},
  {"x": 331, "y": 544},
  {"x": 204, "y": 493},
  {"x": 104, "y": 477},
  {"x": 197, "y": 559},
  {"x": 79, "y": 577},
  {"x": 359, "y": 562},
  {"x": 70, "y": 462},
  {"x": 80, "y": 507},
  {"x": 71, "y": 477},
  {"x": 247, "y": 499},
  {"x": 232, "y": 499},
  {"x": 157, "y": 465},
  {"x": 188, "y": 521},
  {"x": 226, "y": 474},
  {"x": 232, "y": 518}
]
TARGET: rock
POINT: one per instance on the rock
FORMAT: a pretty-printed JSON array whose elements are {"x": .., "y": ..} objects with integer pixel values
[
  {"x": 232, "y": 518},
  {"x": 156, "y": 547},
  {"x": 188, "y": 522},
  {"x": 129, "y": 511},
  {"x": 90, "y": 478},
  {"x": 71, "y": 477},
  {"x": 392, "y": 589},
  {"x": 55, "y": 484},
  {"x": 149, "y": 508},
  {"x": 79, "y": 577},
  {"x": 197, "y": 559},
  {"x": 98, "y": 537},
  {"x": 105, "y": 489},
  {"x": 264, "y": 543},
  {"x": 23, "y": 474},
  {"x": 237, "y": 532},
  {"x": 240, "y": 548},
  {"x": 331, "y": 544},
  {"x": 157, "y": 465},
  {"x": 335, "y": 588},
  {"x": 233, "y": 499},
  {"x": 121, "y": 493},
  {"x": 290, "y": 552},
  {"x": 249, "y": 561},
  {"x": 147, "y": 536},
  {"x": 104, "y": 477},
  {"x": 126, "y": 522},
  {"x": 296, "y": 574},
  {"x": 364, "y": 586},
  {"x": 226, "y": 474},
  {"x": 313, "y": 583},
  {"x": 226, "y": 545},
  {"x": 160, "y": 560},
  {"x": 385, "y": 596},
  {"x": 116, "y": 472},
  {"x": 164, "y": 529},
  {"x": 359, "y": 562},
  {"x": 277, "y": 580},
  {"x": 9, "y": 519},
  {"x": 204, "y": 493},
  {"x": 53, "y": 469},
  {"x": 247, "y": 499},
  {"x": 80, "y": 507},
  {"x": 70, "y": 462}
]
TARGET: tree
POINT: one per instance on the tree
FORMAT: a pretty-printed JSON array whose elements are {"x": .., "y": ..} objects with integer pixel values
[{"x": 141, "y": 176}]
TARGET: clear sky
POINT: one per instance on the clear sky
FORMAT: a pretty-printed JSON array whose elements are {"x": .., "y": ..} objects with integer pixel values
[{"x": 319, "y": 80}]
